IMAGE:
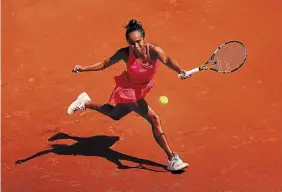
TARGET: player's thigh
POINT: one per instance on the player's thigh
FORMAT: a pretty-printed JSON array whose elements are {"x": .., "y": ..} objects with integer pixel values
[
  {"x": 144, "y": 109},
  {"x": 120, "y": 111}
]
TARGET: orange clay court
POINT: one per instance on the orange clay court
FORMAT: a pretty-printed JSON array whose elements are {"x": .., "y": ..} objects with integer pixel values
[{"x": 227, "y": 127}]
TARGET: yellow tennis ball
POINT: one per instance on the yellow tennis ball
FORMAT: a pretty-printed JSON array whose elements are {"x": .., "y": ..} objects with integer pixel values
[{"x": 163, "y": 100}]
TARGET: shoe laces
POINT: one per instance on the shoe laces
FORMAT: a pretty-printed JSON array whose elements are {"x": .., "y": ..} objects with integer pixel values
[{"x": 175, "y": 156}]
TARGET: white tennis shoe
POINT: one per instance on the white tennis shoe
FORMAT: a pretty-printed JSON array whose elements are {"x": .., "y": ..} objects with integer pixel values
[
  {"x": 176, "y": 164},
  {"x": 79, "y": 103}
]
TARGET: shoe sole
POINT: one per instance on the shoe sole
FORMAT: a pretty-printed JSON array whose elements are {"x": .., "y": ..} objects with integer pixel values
[{"x": 183, "y": 166}]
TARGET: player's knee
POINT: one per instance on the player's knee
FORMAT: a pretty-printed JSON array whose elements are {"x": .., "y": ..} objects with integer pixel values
[{"x": 155, "y": 118}]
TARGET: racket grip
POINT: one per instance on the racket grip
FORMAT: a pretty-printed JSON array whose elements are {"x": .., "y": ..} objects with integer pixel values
[{"x": 189, "y": 73}]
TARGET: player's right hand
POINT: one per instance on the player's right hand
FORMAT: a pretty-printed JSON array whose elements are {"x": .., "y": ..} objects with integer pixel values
[
  {"x": 77, "y": 69},
  {"x": 183, "y": 75}
]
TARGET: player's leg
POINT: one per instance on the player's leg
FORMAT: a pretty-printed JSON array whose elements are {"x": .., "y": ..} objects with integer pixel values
[
  {"x": 83, "y": 102},
  {"x": 115, "y": 112},
  {"x": 143, "y": 109}
]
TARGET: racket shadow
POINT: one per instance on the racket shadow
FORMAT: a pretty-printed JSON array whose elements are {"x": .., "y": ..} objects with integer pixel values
[{"x": 98, "y": 146}]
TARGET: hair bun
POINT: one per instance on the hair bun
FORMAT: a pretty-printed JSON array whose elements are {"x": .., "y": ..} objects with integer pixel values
[{"x": 133, "y": 23}]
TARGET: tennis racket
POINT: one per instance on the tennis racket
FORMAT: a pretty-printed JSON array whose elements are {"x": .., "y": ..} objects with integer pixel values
[{"x": 227, "y": 58}]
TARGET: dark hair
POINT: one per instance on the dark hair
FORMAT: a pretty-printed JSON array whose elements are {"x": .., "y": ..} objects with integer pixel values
[{"x": 134, "y": 25}]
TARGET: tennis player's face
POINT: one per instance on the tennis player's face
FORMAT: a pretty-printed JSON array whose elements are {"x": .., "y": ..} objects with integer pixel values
[{"x": 136, "y": 41}]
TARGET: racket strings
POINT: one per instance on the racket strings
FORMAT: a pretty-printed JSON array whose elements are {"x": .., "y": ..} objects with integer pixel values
[{"x": 229, "y": 57}]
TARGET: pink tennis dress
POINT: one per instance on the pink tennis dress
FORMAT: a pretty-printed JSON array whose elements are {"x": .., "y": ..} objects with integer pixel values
[{"x": 126, "y": 90}]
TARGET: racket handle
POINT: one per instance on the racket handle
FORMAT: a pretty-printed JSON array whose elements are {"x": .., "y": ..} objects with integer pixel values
[{"x": 189, "y": 73}]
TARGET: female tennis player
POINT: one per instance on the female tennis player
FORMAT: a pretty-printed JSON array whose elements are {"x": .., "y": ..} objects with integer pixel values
[{"x": 142, "y": 60}]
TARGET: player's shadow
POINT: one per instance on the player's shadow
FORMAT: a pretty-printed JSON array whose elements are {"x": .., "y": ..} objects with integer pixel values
[{"x": 96, "y": 146}]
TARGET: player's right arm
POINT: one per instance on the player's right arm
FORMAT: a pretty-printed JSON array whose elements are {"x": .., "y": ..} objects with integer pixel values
[{"x": 119, "y": 55}]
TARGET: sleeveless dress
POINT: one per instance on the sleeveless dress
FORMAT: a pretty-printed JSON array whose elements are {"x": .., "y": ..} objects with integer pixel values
[{"x": 127, "y": 90}]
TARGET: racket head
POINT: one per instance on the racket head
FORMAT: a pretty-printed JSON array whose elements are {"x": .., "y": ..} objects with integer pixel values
[{"x": 228, "y": 57}]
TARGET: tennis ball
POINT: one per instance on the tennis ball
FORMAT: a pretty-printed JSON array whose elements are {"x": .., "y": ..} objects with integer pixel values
[{"x": 163, "y": 100}]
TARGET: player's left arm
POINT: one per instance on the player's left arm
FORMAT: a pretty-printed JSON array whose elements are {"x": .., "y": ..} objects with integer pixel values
[{"x": 167, "y": 60}]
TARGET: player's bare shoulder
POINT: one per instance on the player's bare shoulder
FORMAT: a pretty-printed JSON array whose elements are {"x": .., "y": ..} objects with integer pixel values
[
  {"x": 123, "y": 50},
  {"x": 154, "y": 47},
  {"x": 155, "y": 50},
  {"x": 124, "y": 53}
]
